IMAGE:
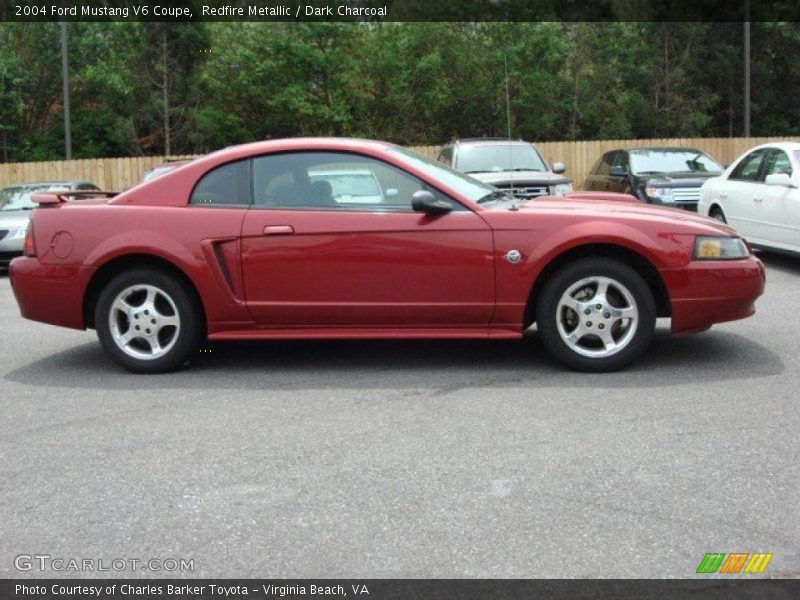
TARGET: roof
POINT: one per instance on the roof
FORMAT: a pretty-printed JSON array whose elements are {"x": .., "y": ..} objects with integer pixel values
[
  {"x": 303, "y": 143},
  {"x": 488, "y": 142},
  {"x": 660, "y": 149},
  {"x": 788, "y": 145}
]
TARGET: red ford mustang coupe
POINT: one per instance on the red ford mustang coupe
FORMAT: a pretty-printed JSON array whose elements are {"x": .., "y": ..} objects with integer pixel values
[{"x": 333, "y": 238}]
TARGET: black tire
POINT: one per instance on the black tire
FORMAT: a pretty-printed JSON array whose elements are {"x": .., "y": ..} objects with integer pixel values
[
  {"x": 548, "y": 315},
  {"x": 718, "y": 214},
  {"x": 186, "y": 337}
]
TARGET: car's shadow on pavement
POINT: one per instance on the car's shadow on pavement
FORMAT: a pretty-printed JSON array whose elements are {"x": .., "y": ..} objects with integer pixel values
[
  {"x": 442, "y": 365},
  {"x": 785, "y": 263}
]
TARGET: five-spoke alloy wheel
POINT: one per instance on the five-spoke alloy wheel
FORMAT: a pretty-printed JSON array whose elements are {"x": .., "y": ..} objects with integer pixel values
[
  {"x": 596, "y": 314},
  {"x": 147, "y": 321},
  {"x": 144, "y": 321}
]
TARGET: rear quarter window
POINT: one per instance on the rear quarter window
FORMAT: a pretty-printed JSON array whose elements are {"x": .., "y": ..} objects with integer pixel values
[{"x": 227, "y": 185}]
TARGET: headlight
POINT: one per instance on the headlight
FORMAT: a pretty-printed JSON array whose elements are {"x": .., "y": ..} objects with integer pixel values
[
  {"x": 663, "y": 194},
  {"x": 560, "y": 189},
  {"x": 19, "y": 234},
  {"x": 719, "y": 248}
]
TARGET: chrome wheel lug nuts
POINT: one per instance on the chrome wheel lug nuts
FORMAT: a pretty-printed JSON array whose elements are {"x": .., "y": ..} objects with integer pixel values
[
  {"x": 588, "y": 323},
  {"x": 587, "y": 311}
]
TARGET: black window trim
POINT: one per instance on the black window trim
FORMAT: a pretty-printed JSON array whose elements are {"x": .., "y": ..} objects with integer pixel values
[{"x": 761, "y": 165}]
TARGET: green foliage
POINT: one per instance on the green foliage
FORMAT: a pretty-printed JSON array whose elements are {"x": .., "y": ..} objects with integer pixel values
[{"x": 209, "y": 85}]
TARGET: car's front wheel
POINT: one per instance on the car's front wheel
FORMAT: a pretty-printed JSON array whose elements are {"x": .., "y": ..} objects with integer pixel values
[
  {"x": 147, "y": 321},
  {"x": 597, "y": 314}
]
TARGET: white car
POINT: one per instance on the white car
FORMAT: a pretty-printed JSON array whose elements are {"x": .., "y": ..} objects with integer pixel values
[
  {"x": 353, "y": 186},
  {"x": 759, "y": 195}
]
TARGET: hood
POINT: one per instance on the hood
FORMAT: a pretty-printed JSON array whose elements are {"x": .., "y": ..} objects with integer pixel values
[
  {"x": 636, "y": 210},
  {"x": 11, "y": 219},
  {"x": 521, "y": 177},
  {"x": 677, "y": 180}
]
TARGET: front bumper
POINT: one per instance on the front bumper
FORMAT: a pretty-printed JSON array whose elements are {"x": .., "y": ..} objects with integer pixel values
[
  {"x": 6, "y": 256},
  {"x": 48, "y": 293},
  {"x": 690, "y": 205},
  {"x": 708, "y": 292}
]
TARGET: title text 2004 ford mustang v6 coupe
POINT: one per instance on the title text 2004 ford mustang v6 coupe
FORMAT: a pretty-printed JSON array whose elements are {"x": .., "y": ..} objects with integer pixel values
[{"x": 253, "y": 242}]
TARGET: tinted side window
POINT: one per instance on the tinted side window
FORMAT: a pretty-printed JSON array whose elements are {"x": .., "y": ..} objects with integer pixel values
[
  {"x": 748, "y": 168},
  {"x": 777, "y": 162},
  {"x": 604, "y": 164},
  {"x": 333, "y": 181},
  {"x": 225, "y": 185}
]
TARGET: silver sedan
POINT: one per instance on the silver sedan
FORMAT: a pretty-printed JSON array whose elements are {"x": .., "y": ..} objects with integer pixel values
[{"x": 15, "y": 212}]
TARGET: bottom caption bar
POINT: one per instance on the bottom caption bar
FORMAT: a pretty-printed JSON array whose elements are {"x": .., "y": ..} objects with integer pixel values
[{"x": 390, "y": 589}]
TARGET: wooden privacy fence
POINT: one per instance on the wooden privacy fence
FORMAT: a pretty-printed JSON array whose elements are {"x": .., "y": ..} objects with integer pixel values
[{"x": 579, "y": 157}]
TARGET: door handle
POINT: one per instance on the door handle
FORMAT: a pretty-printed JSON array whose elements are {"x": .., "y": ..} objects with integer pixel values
[
  {"x": 722, "y": 196},
  {"x": 758, "y": 199},
  {"x": 278, "y": 230}
]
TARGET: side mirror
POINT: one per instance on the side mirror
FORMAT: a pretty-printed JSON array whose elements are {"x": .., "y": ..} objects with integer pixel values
[
  {"x": 425, "y": 202},
  {"x": 392, "y": 193},
  {"x": 558, "y": 168},
  {"x": 783, "y": 179},
  {"x": 617, "y": 171}
]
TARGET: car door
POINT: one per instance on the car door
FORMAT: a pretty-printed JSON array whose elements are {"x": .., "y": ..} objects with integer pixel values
[
  {"x": 737, "y": 195},
  {"x": 310, "y": 261},
  {"x": 777, "y": 207}
]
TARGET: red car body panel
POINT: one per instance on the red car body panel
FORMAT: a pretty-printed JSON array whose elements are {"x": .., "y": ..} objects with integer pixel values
[{"x": 273, "y": 273}]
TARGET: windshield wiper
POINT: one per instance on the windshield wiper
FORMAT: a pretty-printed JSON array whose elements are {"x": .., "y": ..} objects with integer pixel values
[
  {"x": 525, "y": 169},
  {"x": 470, "y": 172}
]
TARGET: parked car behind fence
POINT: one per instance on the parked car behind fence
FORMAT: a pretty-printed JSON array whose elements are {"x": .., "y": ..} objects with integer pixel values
[
  {"x": 667, "y": 176},
  {"x": 759, "y": 195},
  {"x": 15, "y": 210},
  {"x": 512, "y": 165}
]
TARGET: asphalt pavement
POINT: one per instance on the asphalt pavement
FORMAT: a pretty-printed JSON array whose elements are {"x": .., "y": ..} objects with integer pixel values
[{"x": 404, "y": 459}]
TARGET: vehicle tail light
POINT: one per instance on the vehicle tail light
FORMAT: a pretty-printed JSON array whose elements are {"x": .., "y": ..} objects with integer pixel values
[{"x": 29, "y": 247}]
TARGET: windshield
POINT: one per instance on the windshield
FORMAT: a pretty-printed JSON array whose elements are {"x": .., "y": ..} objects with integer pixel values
[
  {"x": 672, "y": 161},
  {"x": 499, "y": 157},
  {"x": 467, "y": 186},
  {"x": 19, "y": 197},
  {"x": 157, "y": 171}
]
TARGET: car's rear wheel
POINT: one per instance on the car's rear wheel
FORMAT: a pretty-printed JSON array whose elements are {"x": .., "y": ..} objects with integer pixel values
[
  {"x": 147, "y": 321},
  {"x": 716, "y": 213},
  {"x": 597, "y": 314}
]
